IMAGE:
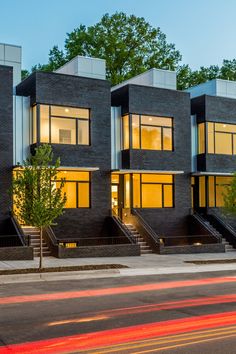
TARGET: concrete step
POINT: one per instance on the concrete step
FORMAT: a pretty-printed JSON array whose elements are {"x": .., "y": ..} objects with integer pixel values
[
  {"x": 231, "y": 250},
  {"x": 146, "y": 251}
]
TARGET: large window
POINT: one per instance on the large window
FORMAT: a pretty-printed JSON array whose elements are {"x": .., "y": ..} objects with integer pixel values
[
  {"x": 152, "y": 191},
  {"x": 76, "y": 187},
  {"x": 60, "y": 125},
  {"x": 217, "y": 187},
  {"x": 221, "y": 138},
  {"x": 147, "y": 132},
  {"x": 212, "y": 190}
]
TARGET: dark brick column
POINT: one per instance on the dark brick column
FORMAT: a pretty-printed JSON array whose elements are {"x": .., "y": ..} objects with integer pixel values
[{"x": 6, "y": 141}]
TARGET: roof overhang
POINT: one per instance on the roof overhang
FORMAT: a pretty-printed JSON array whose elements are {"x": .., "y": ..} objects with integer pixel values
[
  {"x": 212, "y": 173},
  {"x": 69, "y": 168},
  {"x": 72, "y": 168},
  {"x": 160, "y": 172}
]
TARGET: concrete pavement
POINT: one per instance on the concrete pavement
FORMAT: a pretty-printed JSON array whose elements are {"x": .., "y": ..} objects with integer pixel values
[{"x": 150, "y": 264}]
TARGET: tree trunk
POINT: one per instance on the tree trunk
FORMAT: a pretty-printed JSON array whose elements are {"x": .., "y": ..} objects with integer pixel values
[{"x": 41, "y": 249}]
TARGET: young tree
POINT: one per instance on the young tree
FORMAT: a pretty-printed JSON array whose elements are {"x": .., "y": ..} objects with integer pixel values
[
  {"x": 230, "y": 198},
  {"x": 37, "y": 201}
]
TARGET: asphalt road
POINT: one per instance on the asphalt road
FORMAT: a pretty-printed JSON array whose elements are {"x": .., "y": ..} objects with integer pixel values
[{"x": 146, "y": 314}]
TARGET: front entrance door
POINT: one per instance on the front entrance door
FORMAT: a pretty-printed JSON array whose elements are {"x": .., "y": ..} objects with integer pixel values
[{"x": 115, "y": 199}]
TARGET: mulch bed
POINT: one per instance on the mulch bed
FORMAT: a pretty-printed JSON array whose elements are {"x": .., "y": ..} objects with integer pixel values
[
  {"x": 213, "y": 261},
  {"x": 62, "y": 269}
]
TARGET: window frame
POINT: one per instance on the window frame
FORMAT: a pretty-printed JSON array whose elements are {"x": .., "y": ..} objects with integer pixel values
[
  {"x": 140, "y": 125},
  {"x": 141, "y": 183},
  {"x": 50, "y": 116},
  {"x": 77, "y": 188},
  {"x": 206, "y": 137}
]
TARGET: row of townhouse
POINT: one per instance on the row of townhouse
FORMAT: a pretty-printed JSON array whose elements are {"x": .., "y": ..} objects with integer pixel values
[{"x": 145, "y": 165}]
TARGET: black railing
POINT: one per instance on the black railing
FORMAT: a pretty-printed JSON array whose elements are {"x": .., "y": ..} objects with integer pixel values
[
  {"x": 146, "y": 231},
  {"x": 223, "y": 227},
  {"x": 186, "y": 240},
  {"x": 10, "y": 241},
  {"x": 24, "y": 239},
  {"x": 207, "y": 226},
  {"x": 93, "y": 241},
  {"x": 124, "y": 229}
]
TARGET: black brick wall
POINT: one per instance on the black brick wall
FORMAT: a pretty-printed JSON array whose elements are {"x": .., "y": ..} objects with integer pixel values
[
  {"x": 215, "y": 109},
  {"x": 6, "y": 143},
  {"x": 169, "y": 103},
  {"x": 67, "y": 90}
]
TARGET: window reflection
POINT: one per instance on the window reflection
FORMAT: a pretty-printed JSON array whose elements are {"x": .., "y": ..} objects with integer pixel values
[{"x": 148, "y": 132}]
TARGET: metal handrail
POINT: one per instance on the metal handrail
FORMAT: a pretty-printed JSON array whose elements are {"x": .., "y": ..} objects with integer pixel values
[
  {"x": 204, "y": 223},
  {"x": 184, "y": 236},
  {"x": 51, "y": 235},
  {"x": 147, "y": 227},
  {"x": 20, "y": 232},
  {"x": 125, "y": 229},
  {"x": 226, "y": 225}
]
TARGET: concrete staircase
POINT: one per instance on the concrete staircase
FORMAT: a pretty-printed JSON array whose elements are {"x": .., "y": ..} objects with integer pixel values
[
  {"x": 34, "y": 233},
  {"x": 228, "y": 246},
  {"x": 144, "y": 248}
]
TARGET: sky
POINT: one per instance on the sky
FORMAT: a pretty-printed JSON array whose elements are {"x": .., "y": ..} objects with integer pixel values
[{"x": 202, "y": 30}]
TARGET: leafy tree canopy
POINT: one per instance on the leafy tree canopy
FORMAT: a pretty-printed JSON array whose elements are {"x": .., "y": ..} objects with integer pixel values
[{"x": 130, "y": 46}]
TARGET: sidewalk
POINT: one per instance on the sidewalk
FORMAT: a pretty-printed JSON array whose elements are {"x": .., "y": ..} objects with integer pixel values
[{"x": 144, "y": 265}]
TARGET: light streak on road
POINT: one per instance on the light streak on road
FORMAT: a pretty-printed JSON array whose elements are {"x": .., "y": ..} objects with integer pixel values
[
  {"x": 108, "y": 314},
  {"x": 95, "y": 340},
  {"x": 114, "y": 291}
]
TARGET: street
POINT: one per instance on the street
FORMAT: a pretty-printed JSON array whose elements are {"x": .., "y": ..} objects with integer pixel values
[{"x": 192, "y": 313}]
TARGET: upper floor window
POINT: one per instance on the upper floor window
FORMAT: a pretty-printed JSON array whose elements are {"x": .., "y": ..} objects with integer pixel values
[
  {"x": 221, "y": 138},
  {"x": 147, "y": 132},
  {"x": 60, "y": 125}
]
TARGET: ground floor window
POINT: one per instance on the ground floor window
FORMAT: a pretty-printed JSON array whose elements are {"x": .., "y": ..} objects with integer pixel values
[
  {"x": 142, "y": 190},
  {"x": 217, "y": 188},
  {"x": 76, "y": 187},
  {"x": 210, "y": 190}
]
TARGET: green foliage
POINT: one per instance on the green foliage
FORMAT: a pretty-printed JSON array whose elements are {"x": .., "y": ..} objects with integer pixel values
[
  {"x": 36, "y": 200},
  {"x": 230, "y": 198},
  {"x": 129, "y": 45},
  {"x": 24, "y": 74},
  {"x": 188, "y": 78}
]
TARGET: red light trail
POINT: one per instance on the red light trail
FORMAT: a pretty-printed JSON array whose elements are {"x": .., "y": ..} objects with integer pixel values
[
  {"x": 114, "y": 291},
  {"x": 107, "y": 338}
]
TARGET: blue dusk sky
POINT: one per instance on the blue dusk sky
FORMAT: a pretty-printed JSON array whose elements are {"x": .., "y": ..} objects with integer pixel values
[{"x": 203, "y": 30}]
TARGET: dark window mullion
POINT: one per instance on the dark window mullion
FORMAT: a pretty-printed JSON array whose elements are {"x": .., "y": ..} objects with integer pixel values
[
  {"x": 76, "y": 132},
  {"x": 50, "y": 125},
  {"x": 77, "y": 196}
]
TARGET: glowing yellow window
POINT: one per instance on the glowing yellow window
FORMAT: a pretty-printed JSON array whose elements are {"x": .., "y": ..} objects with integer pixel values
[
  {"x": 44, "y": 124},
  {"x": 135, "y": 132},
  {"x": 210, "y": 127},
  {"x": 223, "y": 143},
  {"x": 201, "y": 138},
  {"x": 151, "y": 196},
  {"x": 168, "y": 196},
  {"x": 70, "y": 190},
  {"x": 136, "y": 190},
  {"x": 126, "y": 132},
  {"x": 83, "y": 195}
]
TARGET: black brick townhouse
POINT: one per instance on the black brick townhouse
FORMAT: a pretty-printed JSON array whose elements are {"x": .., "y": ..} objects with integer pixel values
[{"x": 145, "y": 165}]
